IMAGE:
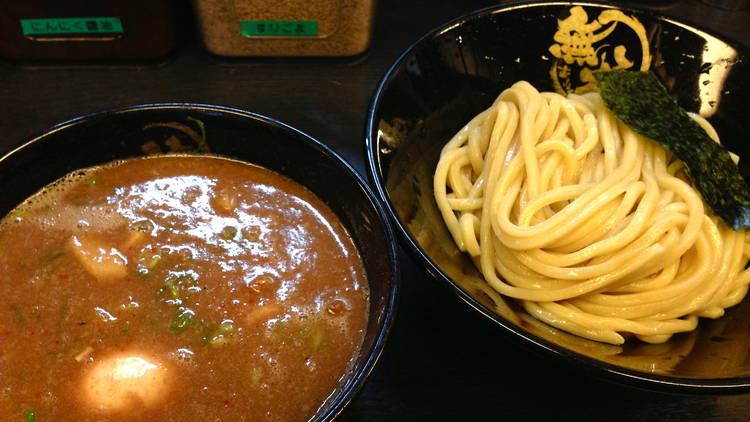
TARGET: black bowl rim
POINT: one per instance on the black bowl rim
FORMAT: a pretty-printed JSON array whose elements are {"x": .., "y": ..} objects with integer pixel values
[
  {"x": 673, "y": 384},
  {"x": 373, "y": 355}
]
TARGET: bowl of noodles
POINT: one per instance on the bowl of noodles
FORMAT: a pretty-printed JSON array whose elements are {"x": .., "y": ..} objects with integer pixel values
[{"x": 512, "y": 180}]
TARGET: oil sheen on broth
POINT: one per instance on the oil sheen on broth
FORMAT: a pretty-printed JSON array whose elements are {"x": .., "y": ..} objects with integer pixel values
[{"x": 176, "y": 288}]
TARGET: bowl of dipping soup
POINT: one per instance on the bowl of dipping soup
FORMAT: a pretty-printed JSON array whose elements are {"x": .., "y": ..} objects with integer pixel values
[{"x": 188, "y": 262}]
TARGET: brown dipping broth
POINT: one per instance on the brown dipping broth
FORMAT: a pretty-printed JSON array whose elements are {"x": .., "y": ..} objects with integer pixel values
[{"x": 239, "y": 286}]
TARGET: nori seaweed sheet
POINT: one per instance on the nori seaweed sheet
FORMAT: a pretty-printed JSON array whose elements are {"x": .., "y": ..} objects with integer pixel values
[{"x": 643, "y": 103}]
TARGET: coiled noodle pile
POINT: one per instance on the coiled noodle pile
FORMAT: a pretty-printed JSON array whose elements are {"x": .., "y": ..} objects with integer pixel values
[{"x": 594, "y": 228}]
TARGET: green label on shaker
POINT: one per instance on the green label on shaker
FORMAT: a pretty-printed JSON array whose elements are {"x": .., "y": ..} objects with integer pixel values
[
  {"x": 64, "y": 26},
  {"x": 279, "y": 28}
]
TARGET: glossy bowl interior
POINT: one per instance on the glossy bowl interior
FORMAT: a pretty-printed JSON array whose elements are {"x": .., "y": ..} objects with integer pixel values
[
  {"x": 111, "y": 135},
  {"x": 454, "y": 72}
]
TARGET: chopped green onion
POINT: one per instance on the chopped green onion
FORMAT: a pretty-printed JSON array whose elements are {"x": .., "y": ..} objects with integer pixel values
[
  {"x": 19, "y": 315},
  {"x": 255, "y": 376},
  {"x": 218, "y": 335},
  {"x": 318, "y": 337},
  {"x": 147, "y": 260},
  {"x": 304, "y": 332},
  {"x": 54, "y": 257},
  {"x": 182, "y": 321},
  {"x": 154, "y": 261},
  {"x": 219, "y": 340},
  {"x": 92, "y": 181},
  {"x": 173, "y": 289},
  {"x": 31, "y": 416},
  {"x": 227, "y": 326},
  {"x": 228, "y": 233}
]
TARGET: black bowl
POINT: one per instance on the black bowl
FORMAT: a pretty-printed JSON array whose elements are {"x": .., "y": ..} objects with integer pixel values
[
  {"x": 455, "y": 71},
  {"x": 134, "y": 131}
]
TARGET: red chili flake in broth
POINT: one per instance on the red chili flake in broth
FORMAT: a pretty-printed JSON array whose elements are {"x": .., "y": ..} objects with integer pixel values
[{"x": 63, "y": 276}]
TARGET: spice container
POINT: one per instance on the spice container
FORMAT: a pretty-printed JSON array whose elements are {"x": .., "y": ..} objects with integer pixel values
[
  {"x": 236, "y": 28},
  {"x": 86, "y": 30}
]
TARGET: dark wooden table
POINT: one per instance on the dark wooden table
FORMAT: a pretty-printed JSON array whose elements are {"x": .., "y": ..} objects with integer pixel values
[{"x": 442, "y": 361}]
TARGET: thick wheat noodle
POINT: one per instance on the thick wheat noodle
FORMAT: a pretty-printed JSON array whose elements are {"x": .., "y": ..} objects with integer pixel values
[{"x": 594, "y": 228}]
